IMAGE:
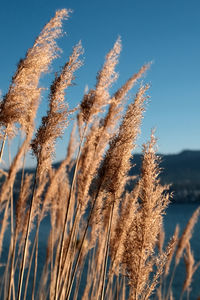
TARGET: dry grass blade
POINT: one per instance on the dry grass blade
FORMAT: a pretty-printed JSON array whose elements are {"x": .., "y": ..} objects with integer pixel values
[
  {"x": 56, "y": 121},
  {"x": 190, "y": 269},
  {"x": 93, "y": 102},
  {"x": 144, "y": 229},
  {"x": 21, "y": 101},
  {"x": 169, "y": 260},
  {"x": 186, "y": 236}
]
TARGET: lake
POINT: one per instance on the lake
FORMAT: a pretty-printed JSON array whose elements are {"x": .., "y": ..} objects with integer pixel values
[{"x": 176, "y": 214}]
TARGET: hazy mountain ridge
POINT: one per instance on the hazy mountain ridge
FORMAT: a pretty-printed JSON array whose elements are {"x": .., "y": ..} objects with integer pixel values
[{"x": 181, "y": 170}]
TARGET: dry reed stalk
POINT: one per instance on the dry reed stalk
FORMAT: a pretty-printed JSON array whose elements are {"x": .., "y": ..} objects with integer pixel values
[
  {"x": 105, "y": 260},
  {"x": 68, "y": 273},
  {"x": 14, "y": 108},
  {"x": 57, "y": 217},
  {"x": 9, "y": 181},
  {"x": 99, "y": 156},
  {"x": 112, "y": 174},
  {"x": 25, "y": 246},
  {"x": 161, "y": 239},
  {"x": 190, "y": 269},
  {"x": 4, "y": 225},
  {"x": 99, "y": 136},
  {"x": 171, "y": 296},
  {"x": 56, "y": 120},
  {"x": 32, "y": 212},
  {"x": 129, "y": 115},
  {"x": 186, "y": 236},
  {"x": 143, "y": 232},
  {"x": 92, "y": 105},
  {"x": 126, "y": 216},
  {"x": 160, "y": 243},
  {"x": 19, "y": 104},
  {"x": 123, "y": 288},
  {"x": 53, "y": 124},
  {"x": 53, "y": 190},
  {"x": 168, "y": 263},
  {"x": 93, "y": 102},
  {"x": 35, "y": 213},
  {"x": 35, "y": 270},
  {"x": 61, "y": 244},
  {"x": 98, "y": 259},
  {"x": 184, "y": 239},
  {"x": 160, "y": 262},
  {"x": 169, "y": 260},
  {"x": 12, "y": 232},
  {"x": 2, "y": 145},
  {"x": 90, "y": 276},
  {"x": 59, "y": 88},
  {"x": 116, "y": 163}
]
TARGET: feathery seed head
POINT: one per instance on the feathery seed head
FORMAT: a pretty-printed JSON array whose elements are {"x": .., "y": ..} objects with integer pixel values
[
  {"x": 116, "y": 163},
  {"x": 20, "y": 103},
  {"x": 186, "y": 236},
  {"x": 55, "y": 122},
  {"x": 96, "y": 99}
]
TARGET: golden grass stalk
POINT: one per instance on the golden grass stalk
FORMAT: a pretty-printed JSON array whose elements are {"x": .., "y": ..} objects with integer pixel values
[
  {"x": 161, "y": 239},
  {"x": 186, "y": 236},
  {"x": 97, "y": 99},
  {"x": 2, "y": 145},
  {"x": 46, "y": 47},
  {"x": 175, "y": 236},
  {"x": 24, "y": 87},
  {"x": 61, "y": 244},
  {"x": 54, "y": 123},
  {"x": 124, "y": 221},
  {"x": 110, "y": 63},
  {"x": 99, "y": 137},
  {"x": 89, "y": 107},
  {"x": 143, "y": 232},
  {"x": 56, "y": 120},
  {"x": 182, "y": 243},
  {"x": 169, "y": 261},
  {"x": 190, "y": 269},
  {"x": 21, "y": 101},
  {"x": 93, "y": 206}
]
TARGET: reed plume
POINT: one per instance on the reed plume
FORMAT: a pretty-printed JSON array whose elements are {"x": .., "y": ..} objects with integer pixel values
[
  {"x": 55, "y": 122},
  {"x": 186, "y": 236},
  {"x": 143, "y": 232},
  {"x": 19, "y": 105},
  {"x": 167, "y": 266},
  {"x": 190, "y": 268},
  {"x": 97, "y": 99}
]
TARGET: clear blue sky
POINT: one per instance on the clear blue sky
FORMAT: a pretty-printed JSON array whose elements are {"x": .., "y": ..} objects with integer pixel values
[{"x": 165, "y": 32}]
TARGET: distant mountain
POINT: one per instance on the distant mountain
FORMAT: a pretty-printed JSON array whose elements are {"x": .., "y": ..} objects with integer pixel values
[{"x": 181, "y": 170}]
